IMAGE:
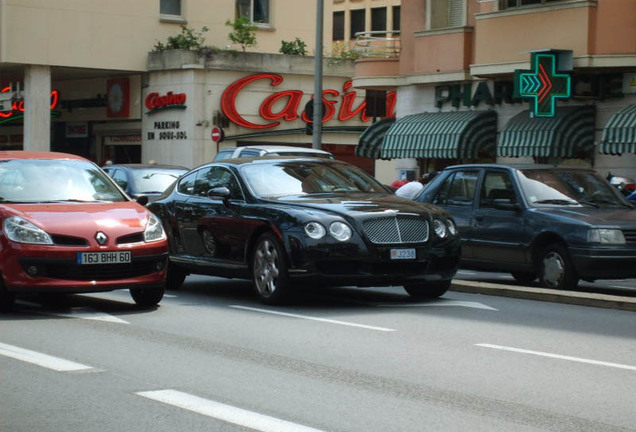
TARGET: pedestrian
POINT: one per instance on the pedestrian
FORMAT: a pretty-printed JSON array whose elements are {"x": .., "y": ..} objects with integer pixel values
[{"x": 412, "y": 189}]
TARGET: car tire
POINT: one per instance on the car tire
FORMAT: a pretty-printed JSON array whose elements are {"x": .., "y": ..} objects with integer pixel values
[
  {"x": 429, "y": 290},
  {"x": 147, "y": 297},
  {"x": 525, "y": 278},
  {"x": 175, "y": 277},
  {"x": 269, "y": 270},
  {"x": 7, "y": 299},
  {"x": 555, "y": 268}
]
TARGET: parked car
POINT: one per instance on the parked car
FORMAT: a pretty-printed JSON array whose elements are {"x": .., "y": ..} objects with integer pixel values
[
  {"x": 626, "y": 185},
  {"x": 67, "y": 228},
  {"x": 148, "y": 180},
  {"x": 285, "y": 222},
  {"x": 270, "y": 150},
  {"x": 556, "y": 224}
]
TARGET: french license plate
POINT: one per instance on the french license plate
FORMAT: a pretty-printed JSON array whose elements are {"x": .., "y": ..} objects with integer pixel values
[
  {"x": 397, "y": 254},
  {"x": 119, "y": 257}
]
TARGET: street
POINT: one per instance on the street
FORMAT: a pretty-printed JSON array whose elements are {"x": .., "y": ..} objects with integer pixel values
[{"x": 212, "y": 358}]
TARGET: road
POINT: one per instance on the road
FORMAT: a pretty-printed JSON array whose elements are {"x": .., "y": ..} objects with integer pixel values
[{"x": 211, "y": 358}]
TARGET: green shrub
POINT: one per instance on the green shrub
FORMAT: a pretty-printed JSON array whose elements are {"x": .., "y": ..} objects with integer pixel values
[
  {"x": 188, "y": 39},
  {"x": 295, "y": 47},
  {"x": 243, "y": 32}
]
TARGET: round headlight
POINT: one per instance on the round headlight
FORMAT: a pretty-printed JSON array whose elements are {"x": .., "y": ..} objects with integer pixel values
[
  {"x": 440, "y": 228},
  {"x": 452, "y": 228},
  {"x": 340, "y": 231},
  {"x": 315, "y": 230}
]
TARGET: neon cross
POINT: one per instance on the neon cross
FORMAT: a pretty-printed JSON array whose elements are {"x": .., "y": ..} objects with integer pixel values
[{"x": 543, "y": 85}]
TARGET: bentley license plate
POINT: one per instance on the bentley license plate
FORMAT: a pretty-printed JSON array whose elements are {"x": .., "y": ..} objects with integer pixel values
[
  {"x": 402, "y": 254},
  {"x": 119, "y": 257}
]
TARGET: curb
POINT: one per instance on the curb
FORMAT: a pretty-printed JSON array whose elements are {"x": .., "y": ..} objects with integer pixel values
[{"x": 543, "y": 294}]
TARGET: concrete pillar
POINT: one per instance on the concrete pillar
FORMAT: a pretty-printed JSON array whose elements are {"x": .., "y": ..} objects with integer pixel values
[{"x": 37, "y": 112}]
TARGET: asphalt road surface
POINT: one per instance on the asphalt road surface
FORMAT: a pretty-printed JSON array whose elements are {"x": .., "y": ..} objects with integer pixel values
[{"x": 211, "y": 358}]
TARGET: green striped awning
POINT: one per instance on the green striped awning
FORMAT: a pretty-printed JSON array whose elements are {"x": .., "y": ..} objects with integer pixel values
[
  {"x": 443, "y": 135},
  {"x": 619, "y": 135},
  {"x": 566, "y": 134},
  {"x": 371, "y": 139}
]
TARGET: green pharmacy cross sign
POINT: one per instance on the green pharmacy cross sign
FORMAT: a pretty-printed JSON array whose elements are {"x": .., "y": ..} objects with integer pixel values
[{"x": 542, "y": 84}]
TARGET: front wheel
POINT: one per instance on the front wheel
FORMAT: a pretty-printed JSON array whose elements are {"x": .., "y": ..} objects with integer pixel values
[
  {"x": 555, "y": 268},
  {"x": 7, "y": 299},
  {"x": 428, "y": 290},
  {"x": 269, "y": 270},
  {"x": 175, "y": 277},
  {"x": 147, "y": 297}
]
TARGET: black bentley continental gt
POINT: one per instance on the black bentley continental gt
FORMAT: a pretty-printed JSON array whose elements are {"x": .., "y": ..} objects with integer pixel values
[{"x": 288, "y": 222}]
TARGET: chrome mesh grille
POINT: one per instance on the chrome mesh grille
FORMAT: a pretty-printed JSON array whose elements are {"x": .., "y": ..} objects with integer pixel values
[
  {"x": 630, "y": 236},
  {"x": 393, "y": 230}
]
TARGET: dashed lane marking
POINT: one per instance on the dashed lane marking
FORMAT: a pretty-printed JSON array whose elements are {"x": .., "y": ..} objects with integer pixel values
[{"x": 43, "y": 360}]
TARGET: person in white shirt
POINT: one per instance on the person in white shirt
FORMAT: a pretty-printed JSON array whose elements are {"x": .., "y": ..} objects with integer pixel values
[{"x": 412, "y": 189}]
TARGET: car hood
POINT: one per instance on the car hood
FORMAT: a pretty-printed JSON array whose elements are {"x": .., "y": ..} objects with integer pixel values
[
  {"x": 615, "y": 217},
  {"x": 360, "y": 204},
  {"x": 82, "y": 219}
]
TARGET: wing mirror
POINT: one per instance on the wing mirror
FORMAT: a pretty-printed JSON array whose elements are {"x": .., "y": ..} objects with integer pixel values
[{"x": 220, "y": 192}]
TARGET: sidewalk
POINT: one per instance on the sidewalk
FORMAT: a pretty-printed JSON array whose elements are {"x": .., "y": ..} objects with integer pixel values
[{"x": 549, "y": 295}]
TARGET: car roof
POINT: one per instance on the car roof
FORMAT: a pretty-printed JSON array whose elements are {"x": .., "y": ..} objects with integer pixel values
[
  {"x": 275, "y": 148},
  {"x": 519, "y": 167},
  {"x": 147, "y": 166},
  {"x": 274, "y": 158},
  {"x": 21, "y": 154}
]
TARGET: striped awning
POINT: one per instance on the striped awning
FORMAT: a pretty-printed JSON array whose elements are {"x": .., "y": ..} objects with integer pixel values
[
  {"x": 567, "y": 134},
  {"x": 371, "y": 139},
  {"x": 619, "y": 135},
  {"x": 443, "y": 135}
]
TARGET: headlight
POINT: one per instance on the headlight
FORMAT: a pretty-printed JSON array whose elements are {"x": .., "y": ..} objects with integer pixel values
[
  {"x": 340, "y": 231},
  {"x": 22, "y": 231},
  {"x": 154, "y": 231},
  {"x": 315, "y": 230},
  {"x": 452, "y": 228},
  {"x": 440, "y": 228},
  {"x": 605, "y": 236}
]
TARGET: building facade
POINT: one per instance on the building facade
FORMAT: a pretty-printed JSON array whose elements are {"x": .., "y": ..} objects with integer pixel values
[{"x": 471, "y": 75}]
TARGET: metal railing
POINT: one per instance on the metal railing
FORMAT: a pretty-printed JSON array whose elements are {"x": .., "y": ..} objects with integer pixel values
[{"x": 378, "y": 44}]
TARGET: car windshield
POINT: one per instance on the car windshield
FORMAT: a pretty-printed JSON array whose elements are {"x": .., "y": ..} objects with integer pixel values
[
  {"x": 567, "y": 187},
  {"x": 154, "y": 180},
  {"x": 52, "y": 180},
  {"x": 303, "y": 178},
  {"x": 303, "y": 154}
]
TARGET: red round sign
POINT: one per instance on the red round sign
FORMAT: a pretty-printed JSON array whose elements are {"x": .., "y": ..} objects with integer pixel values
[{"x": 217, "y": 134}]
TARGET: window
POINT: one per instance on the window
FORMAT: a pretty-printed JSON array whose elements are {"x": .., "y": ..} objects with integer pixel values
[
  {"x": 170, "y": 7},
  {"x": 257, "y": 11},
  {"x": 458, "y": 189},
  {"x": 378, "y": 19},
  {"x": 497, "y": 185},
  {"x": 446, "y": 13},
  {"x": 338, "y": 26},
  {"x": 396, "y": 18},
  {"x": 507, "y": 4},
  {"x": 357, "y": 22}
]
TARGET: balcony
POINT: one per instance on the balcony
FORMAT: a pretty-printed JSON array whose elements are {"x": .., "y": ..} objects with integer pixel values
[{"x": 379, "y": 59}]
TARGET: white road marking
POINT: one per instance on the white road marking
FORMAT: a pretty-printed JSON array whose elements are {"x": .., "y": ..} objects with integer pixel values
[
  {"x": 560, "y": 357},
  {"x": 223, "y": 412},
  {"x": 442, "y": 302},
  {"x": 86, "y": 313},
  {"x": 384, "y": 329},
  {"x": 43, "y": 360}
]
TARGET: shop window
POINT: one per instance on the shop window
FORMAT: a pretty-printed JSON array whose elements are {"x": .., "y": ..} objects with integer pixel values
[
  {"x": 338, "y": 29},
  {"x": 378, "y": 19},
  {"x": 357, "y": 22},
  {"x": 396, "y": 18},
  {"x": 509, "y": 4},
  {"x": 170, "y": 7},
  {"x": 446, "y": 13},
  {"x": 257, "y": 11}
]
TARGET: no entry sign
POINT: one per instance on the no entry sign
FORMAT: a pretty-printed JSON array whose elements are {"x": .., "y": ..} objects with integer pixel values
[{"x": 217, "y": 134}]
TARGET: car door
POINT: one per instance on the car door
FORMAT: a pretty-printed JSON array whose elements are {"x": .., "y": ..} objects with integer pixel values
[
  {"x": 183, "y": 227},
  {"x": 456, "y": 194},
  {"x": 500, "y": 235}
]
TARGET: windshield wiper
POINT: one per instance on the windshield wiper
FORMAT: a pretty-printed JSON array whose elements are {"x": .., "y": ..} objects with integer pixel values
[
  {"x": 557, "y": 201},
  {"x": 590, "y": 203}
]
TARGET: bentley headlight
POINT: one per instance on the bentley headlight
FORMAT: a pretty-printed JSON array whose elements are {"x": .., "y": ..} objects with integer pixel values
[
  {"x": 21, "y": 230},
  {"x": 440, "y": 228},
  {"x": 154, "y": 231},
  {"x": 452, "y": 228},
  {"x": 315, "y": 230},
  {"x": 340, "y": 231},
  {"x": 605, "y": 236}
]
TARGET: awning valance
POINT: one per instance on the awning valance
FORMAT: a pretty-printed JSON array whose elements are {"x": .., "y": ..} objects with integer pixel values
[
  {"x": 619, "y": 135},
  {"x": 569, "y": 133},
  {"x": 371, "y": 139},
  {"x": 444, "y": 135}
]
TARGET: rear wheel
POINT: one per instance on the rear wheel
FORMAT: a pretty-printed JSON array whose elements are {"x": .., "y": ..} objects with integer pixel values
[
  {"x": 269, "y": 270},
  {"x": 524, "y": 277},
  {"x": 147, "y": 297},
  {"x": 428, "y": 290},
  {"x": 555, "y": 268}
]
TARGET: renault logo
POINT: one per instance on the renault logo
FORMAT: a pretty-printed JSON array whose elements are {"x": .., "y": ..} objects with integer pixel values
[{"x": 101, "y": 238}]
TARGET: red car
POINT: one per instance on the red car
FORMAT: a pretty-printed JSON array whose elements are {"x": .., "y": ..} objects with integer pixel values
[{"x": 68, "y": 228}]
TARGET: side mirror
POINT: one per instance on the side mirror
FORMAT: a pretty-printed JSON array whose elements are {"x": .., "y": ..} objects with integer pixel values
[
  {"x": 220, "y": 192},
  {"x": 142, "y": 199}
]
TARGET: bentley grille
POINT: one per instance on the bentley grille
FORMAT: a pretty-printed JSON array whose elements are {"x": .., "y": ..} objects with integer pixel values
[{"x": 394, "y": 230}]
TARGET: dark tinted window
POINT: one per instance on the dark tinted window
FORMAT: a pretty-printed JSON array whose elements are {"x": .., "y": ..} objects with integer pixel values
[
  {"x": 170, "y": 7},
  {"x": 378, "y": 19},
  {"x": 458, "y": 189},
  {"x": 338, "y": 26},
  {"x": 215, "y": 176},
  {"x": 357, "y": 22},
  {"x": 186, "y": 185},
  {"x": 396, "y": 17}
]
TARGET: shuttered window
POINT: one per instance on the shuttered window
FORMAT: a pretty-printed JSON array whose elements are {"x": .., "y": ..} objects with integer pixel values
[{"x": 447, "y": 13}]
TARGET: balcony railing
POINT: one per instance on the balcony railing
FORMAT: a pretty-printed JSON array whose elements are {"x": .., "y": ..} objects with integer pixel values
[{"x": 378, "y": 44}]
